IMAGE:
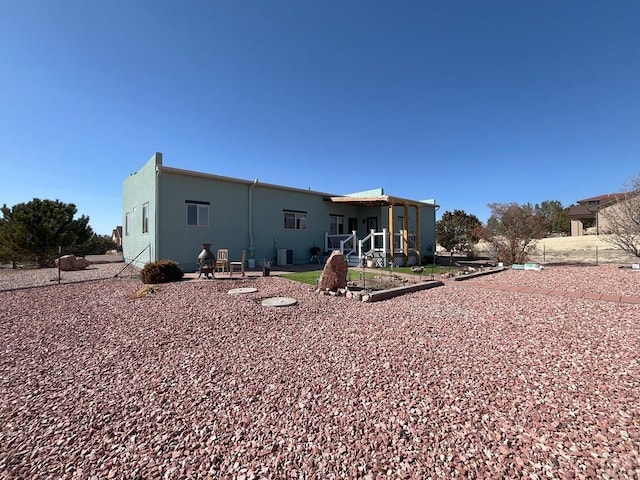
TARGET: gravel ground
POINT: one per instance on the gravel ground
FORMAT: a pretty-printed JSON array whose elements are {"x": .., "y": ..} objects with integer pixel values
[
  {"x": 11, "y": 279},
  {"x": 190, "y": 382},
  {"x": 603, "y": 279}
]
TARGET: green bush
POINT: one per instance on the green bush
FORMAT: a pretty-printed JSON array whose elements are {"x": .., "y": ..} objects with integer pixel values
[{"x": 162, "y": 271}]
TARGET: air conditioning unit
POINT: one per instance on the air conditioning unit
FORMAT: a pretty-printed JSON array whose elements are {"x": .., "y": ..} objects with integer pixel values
[{"x": 284, "y": 257}]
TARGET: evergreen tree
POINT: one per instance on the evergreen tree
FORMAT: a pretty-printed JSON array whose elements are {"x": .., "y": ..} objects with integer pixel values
[
  {"x": 556, "y": 215},
  {"x": 39, "y": 227},
  {"x": 457, "y": 231}
]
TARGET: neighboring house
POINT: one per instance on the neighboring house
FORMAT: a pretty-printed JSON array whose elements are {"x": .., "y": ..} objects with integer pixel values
[
  {"x": 116, "y": 236},
  {"x": 589, "y": 215},
  {"x": 168, "y": 213}
]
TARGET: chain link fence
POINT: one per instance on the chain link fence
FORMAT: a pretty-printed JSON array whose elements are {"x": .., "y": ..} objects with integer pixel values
[
  {"x": 38, "y": 267},
  {"x": 586, "y": 249}
]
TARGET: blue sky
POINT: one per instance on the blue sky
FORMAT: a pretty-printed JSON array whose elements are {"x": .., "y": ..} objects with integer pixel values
[{"x": 468, "y": 102}]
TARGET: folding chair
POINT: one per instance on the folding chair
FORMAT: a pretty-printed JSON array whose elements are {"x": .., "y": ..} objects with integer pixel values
[{"x": 233, "y": 264}]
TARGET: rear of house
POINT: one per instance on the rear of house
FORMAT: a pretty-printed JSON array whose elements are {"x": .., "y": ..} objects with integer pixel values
[
  {"x": 589, "y": 216},
  {"x": 169, "y": 213}
]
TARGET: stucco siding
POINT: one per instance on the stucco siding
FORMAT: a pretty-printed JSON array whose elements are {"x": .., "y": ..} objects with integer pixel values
[
  {"x": 428, "y": 230},
  {"x": 139, "y": 190},
  {"x": 227, "y": 218},
  {"x": 268, "y": 226}
]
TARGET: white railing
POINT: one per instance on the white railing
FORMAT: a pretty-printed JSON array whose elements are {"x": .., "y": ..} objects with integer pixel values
[
  {"x": 375, "y": 245},
  {"x": 344, "y": 242}
]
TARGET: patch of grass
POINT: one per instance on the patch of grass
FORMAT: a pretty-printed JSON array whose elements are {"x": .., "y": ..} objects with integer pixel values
[
  {"x": 353, "y": 274},
  {"x": 312, "y": 277},
  {"x": 428, "y": 269},
  {"x": 305, "y": 277}
]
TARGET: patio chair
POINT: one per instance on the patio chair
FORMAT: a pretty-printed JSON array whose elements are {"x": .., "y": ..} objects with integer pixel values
[
  {"x": 240, "y": 264},
  {"x": 222, "y": 260}
]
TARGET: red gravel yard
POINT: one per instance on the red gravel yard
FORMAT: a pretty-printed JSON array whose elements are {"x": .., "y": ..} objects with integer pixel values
[{"x": 187, "y": 381}]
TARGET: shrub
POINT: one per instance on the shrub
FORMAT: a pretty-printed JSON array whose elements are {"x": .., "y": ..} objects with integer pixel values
[
  {"x": 428, "y": 259},
  {"x": 162, "y": 271}
]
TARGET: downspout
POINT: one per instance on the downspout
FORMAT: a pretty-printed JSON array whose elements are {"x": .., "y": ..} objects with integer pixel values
[
  {"x": 156, "y": 208},
  {"x": 252, "y": 248}
]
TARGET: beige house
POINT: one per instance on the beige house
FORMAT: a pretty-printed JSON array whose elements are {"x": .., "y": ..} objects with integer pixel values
[
  {"x": 589, "y": 216},
  {"x": 116, "y": 236}
]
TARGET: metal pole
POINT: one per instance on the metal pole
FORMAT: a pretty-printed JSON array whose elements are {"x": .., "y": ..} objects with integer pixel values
[
  {"x": 134, "y": 259},
  {"x": 59, "y": 255},
  {"x": 596, "y": 254}
]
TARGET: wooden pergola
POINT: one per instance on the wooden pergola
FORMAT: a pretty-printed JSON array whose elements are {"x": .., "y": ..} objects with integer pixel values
[{"x": 391, "y": 202}]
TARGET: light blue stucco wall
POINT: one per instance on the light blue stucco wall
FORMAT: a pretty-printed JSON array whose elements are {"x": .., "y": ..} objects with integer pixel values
[
  {"x": 428, "y": 228},
  {"x": 269, "y": 232},
  {"x": 139, "y": 189},
  {"x": 227, "y": 222},
  {"x": 232, "y": 225}
]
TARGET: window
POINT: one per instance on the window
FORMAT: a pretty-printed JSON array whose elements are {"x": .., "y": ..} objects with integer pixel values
[
  {"x": 126, "y": 224},
  {"x": 197, "y": 213},
  {"x": 294, "y": 220},
  {"x": 336, "y": 224},
  {"x": 145, "y": 218}
]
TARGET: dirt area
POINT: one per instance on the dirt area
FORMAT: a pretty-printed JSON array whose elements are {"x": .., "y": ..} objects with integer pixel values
[
  {"x": 113, "y": 258},
  {"x": 584, "y": 249}
]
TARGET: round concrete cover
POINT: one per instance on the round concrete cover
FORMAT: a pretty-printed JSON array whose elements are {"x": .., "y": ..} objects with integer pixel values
[
  {"x": 278, "y": 302},
  {"x": 238, "y": 291}
]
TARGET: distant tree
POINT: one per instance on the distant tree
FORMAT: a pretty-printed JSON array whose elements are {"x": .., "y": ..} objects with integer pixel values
[
  {"x": 624, "y": 219},
  {"x": 556, "y": 215},
  {"x": 40, "y": 226},
  {"x": 457, "y": 231},
  {"x": 11, "y": 248},
  {"x": 96, "y": 245},
  {"x": 512, "y": 231}
]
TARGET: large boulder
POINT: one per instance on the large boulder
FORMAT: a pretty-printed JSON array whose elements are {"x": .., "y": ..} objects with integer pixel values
[
  {"x": 68, "y": 263},
  {"x": 334, "y": 274}
]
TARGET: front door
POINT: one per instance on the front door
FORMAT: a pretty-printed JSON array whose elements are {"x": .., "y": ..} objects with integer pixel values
[{"x": 353, "y": 224}]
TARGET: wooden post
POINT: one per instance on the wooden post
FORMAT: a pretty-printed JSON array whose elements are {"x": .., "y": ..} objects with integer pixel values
[
  {"x": 405, "y": 234},
  {"x": 418, "y": 248},
  {"x": 391, "y": 254}
]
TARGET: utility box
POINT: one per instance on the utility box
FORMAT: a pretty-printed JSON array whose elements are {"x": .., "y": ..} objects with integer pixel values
[{"x": 285, "y": 256}]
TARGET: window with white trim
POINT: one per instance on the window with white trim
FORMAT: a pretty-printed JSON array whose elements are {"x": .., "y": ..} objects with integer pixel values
[
  {"x": 336, "y": 224},
  {"x": 197, "y": 213},
  {"x": 145, "y": 218},
  {"x": 295, "y": 220}
]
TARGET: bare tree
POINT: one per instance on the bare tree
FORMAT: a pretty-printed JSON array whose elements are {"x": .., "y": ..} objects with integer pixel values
[
  {"x": 623, "y": 219},
  {"x": 513, "y": 230}
]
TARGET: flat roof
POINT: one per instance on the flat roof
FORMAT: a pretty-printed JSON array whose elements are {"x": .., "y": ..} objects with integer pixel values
[{"x": 380, "y": 201}]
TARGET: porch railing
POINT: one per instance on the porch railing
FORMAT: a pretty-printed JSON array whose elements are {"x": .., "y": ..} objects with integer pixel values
[
  {"x": 375, "y": 245},
  {"x": 345, "y": 242}
]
